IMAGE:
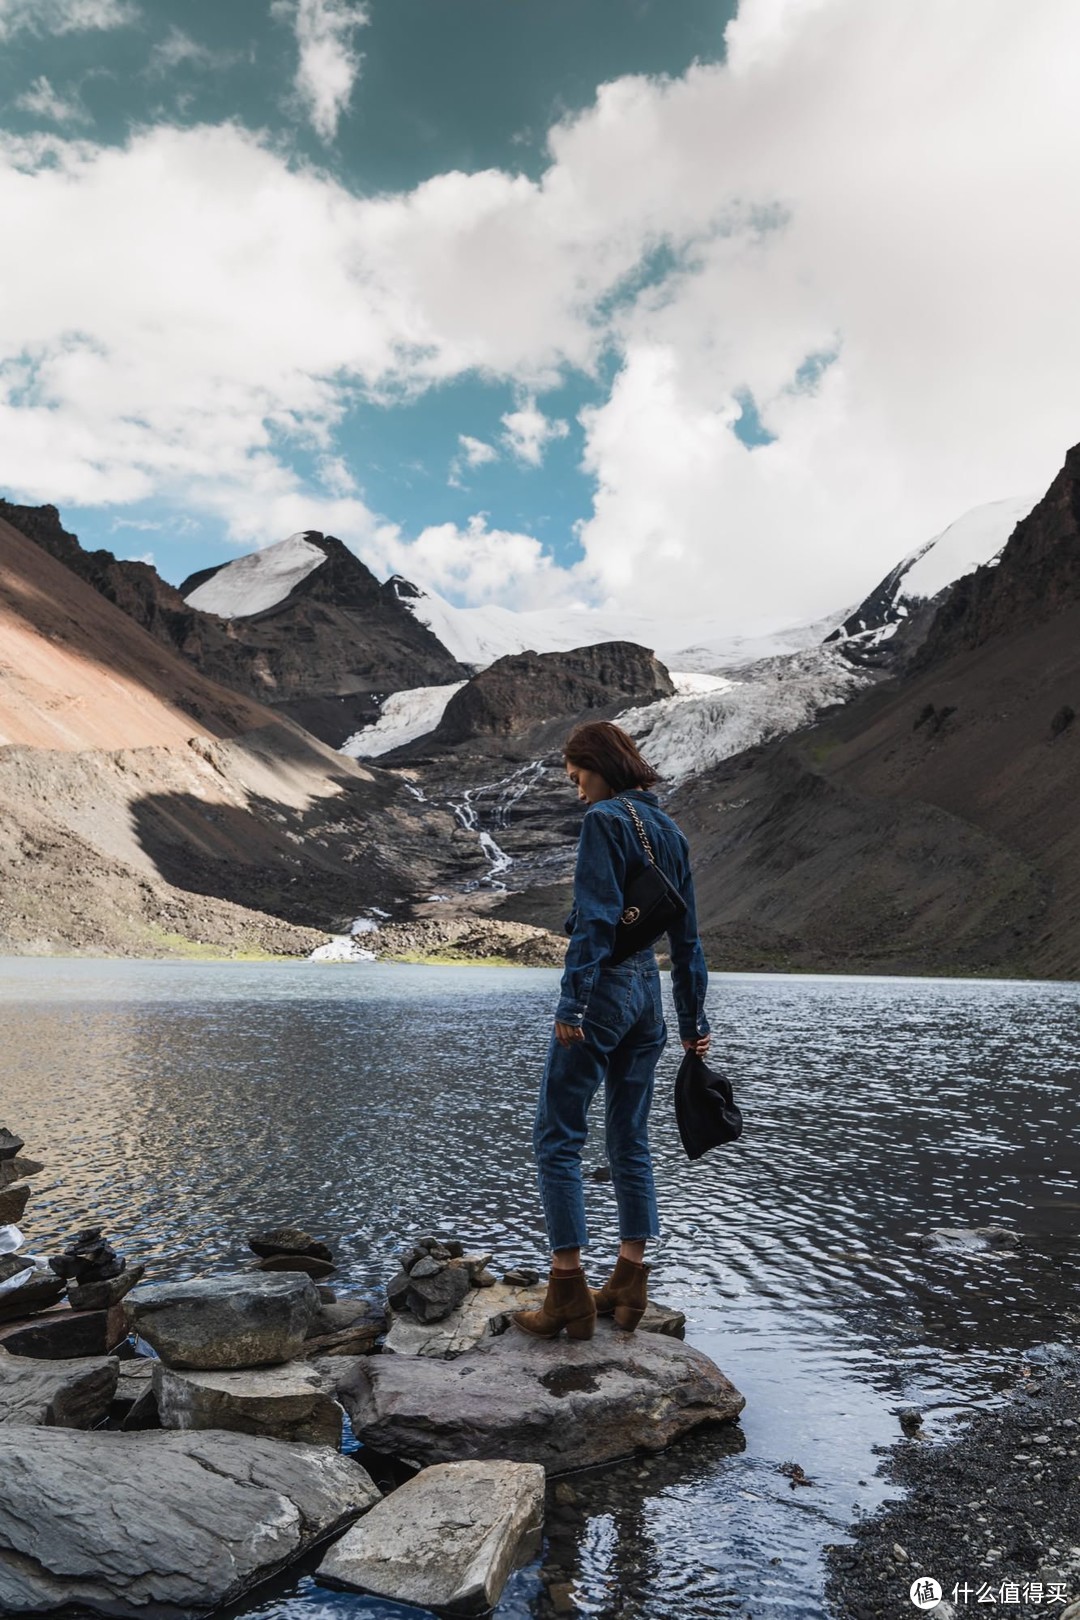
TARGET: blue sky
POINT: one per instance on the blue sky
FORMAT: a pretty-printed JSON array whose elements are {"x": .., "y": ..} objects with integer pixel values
[{"x": 645, "y": 302}]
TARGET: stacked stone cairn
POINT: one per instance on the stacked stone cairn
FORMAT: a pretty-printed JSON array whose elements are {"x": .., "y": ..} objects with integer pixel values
[
  {"x": 290, "y": 1248},
  {"x": 436, "y": 1274},
  {"x": 27, "y": 1286},
  {"x": 96, "y": 1275}
]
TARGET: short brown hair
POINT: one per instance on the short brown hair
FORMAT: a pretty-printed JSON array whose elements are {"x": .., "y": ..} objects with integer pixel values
[{"x": 601, "y": 746}]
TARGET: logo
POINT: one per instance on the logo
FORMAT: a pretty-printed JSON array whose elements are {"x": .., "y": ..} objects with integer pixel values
[
  {"x": 630, "y": 916},
  {"x": 925, "y": 1592}
]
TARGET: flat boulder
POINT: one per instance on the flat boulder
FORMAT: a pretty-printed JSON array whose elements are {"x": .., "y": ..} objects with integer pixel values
[
  {"x": 153, "y": 1526},
  {"x": 72, "y": 1394},
  {"x": 249, "y": 1320},
  {"x": 560, "y": 1403},
  {"x": 292, "y": 1402},
  {"x": 446, "y": 1540},
  {"x": 485, "y": 1313}
]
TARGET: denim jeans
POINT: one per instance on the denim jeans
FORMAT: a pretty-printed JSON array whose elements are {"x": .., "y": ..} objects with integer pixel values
[{"x": 624, "y": 1034}]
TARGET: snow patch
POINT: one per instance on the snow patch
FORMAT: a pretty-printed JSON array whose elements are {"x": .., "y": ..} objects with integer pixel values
[
  {"x": 405, "y": 716},
  {"x": 973, "y": 541},
  {"x": 342, "y": 948},
  {"x": 260, "y": 580}
]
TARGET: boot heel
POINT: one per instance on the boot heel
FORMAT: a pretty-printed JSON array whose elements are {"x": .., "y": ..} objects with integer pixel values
[
  {"x": 583, "y": 1327},
  {"x": 628, "y": 1317}
]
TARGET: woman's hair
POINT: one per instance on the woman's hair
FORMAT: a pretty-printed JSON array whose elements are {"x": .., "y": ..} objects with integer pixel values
[{"x": 605, "y": 748}]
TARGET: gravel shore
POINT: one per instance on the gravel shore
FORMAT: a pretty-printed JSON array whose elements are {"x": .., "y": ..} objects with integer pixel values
[{"x": 993, "y": 1515}]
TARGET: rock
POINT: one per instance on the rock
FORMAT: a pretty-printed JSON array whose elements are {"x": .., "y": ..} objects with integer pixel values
[
  {"x": 566, "y": 1405},
  {"x": 484, "y": 1279},
  {"x": 18, "y": 1169},
  {"x": 348, "y": 1327},
  {"x": 94, "y": 1296},
  {"x": 281, "y": 1403},
  {"x": 433, "y": 1296},
  {"x": 397, "y": 1291},
  {"x": 10, "y": 1144},
  {"x": 287, "y": 1240},
  {"x": 326, "y": 1295},
  {"x": 36, "y": 1293},
  {"x": 13, "y": 1201},
  {"x": 164, "y": 1525},
  {"x": 446, "y": 1539},
  {"x": 476, "y": 1266},
  {"x": 427, "y": 1266},
  {"x": 134, "y": 1378},
  {"x": 973, "y": 1239},
  {"x": 308, "y": 1263},
  {"x": 59, "y": 1333},
  {"x": 12, "y": 1263},
  {"x": 72, "y": 1394},
  {"x": 89, "y": 1258},
  {"x": 485, "y": 1313},
  {"x": 522, "y": 1276},
  {"x": 219, "y": 1322}
]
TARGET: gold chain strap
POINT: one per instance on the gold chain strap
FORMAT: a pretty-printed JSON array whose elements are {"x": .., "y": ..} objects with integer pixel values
[{"x": 641, "y": 830}]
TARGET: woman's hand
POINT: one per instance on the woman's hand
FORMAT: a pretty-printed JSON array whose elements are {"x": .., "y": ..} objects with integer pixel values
[
  {"x": 700, "y": 1045},
  {"x": 565, "y": 1034}
]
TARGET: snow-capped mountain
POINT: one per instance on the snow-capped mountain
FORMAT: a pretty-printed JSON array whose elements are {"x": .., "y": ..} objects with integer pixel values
[
  {"x": 476, "y": 636},
  {"x": 258, "y": 581},
  {"x": 973, "y": 541}
]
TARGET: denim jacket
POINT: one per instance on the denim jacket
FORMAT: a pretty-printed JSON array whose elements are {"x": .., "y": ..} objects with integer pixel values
[{"x": 610, "y": 852}]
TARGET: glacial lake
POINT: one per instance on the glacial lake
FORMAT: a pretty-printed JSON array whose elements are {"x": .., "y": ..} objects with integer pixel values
[{"x": 182, "y": 1105}]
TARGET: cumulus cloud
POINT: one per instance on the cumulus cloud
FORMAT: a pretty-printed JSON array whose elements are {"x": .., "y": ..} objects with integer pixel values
[
  {"x": 329, "y": 64},
  {"x": 527, "y": 432},
  {"x": 843, "y": 223},
  {"x": 63, "y": 16},
  {"x": 42, "y": 100},
  {"x": 476, "y": 563}
]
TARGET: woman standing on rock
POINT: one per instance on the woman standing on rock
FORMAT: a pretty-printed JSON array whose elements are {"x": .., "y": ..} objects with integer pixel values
[{"x": 610, "y": 1031}]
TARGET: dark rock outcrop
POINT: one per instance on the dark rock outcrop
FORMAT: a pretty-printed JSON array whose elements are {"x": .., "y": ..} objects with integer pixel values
[
  {"x": 326, "y": 655},
  {"x": 524, "y": 690}
]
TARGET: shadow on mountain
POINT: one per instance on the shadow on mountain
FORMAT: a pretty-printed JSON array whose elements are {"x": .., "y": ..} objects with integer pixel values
[{"x": 317, "y": 867}]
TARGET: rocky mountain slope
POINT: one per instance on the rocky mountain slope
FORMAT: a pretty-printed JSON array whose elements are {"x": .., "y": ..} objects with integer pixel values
[
  {"x": 929, "y": 824},
  {"x": 144, "y": 808},
  {"x": 303, "y": 627}
]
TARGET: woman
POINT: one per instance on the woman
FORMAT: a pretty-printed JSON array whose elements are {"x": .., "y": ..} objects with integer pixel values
[{"x": 610, "y": 1030}]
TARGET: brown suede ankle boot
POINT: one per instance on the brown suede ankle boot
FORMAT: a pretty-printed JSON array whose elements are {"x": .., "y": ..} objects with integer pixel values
[
  {"x": 568, "y": 1304},
  {"x": 624, "y": 1296}
]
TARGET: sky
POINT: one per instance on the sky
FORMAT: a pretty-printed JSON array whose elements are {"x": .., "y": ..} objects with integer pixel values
[{"x": 715, "y": 307}]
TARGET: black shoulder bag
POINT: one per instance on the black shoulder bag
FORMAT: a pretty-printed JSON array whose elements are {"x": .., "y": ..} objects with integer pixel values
[{"x": 650, "y": 903}]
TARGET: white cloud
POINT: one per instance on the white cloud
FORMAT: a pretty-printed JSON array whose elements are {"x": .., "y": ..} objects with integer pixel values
[
  {"x": 852, "y": 184},
  {"x": 528, "y": 432},
  {"x": 472, "y": 453},
  {"x": 42, "y": 100},
  {"x": 476, "y": 563},
  {"x": 329, "y": 64},
  {"x": 178, "y": 49},
  {"x": 64, "y": 16},
  {"x": 477, "y": 452}
]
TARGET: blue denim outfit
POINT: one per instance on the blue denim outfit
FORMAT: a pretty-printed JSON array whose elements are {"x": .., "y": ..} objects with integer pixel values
[{"x": 620, "y": 1011}]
